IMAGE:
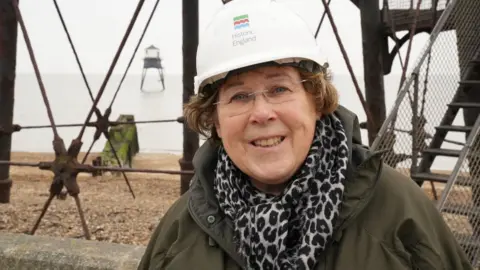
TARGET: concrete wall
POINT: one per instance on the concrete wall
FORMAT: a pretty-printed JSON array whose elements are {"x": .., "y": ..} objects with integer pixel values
[{"x": 22, "y": 252}]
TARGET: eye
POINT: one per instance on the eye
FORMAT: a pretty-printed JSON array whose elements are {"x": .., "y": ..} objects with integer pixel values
[
  {"x": 279, "y": 90},
  {"x": 239, "y": 97}
]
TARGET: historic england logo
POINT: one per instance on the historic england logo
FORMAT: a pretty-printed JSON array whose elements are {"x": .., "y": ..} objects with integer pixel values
[{"x": 240, "y": 22}]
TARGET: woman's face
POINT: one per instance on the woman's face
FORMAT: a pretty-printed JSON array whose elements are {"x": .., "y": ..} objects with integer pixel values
[{"x": 268, "y": 135}]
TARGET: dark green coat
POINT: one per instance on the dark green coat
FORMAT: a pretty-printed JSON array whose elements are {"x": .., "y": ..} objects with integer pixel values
[{"x": 386, "y": 222}]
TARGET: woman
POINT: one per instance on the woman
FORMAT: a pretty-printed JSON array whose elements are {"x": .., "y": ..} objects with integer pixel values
[{"x": 284, "y": 182}]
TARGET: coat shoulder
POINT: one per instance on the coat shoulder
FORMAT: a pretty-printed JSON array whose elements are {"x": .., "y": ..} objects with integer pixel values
[{"x": 402, "y": 217}]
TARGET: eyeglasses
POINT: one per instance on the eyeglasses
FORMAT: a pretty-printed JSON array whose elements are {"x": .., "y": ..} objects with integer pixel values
[{"x": 240, "y": 100}]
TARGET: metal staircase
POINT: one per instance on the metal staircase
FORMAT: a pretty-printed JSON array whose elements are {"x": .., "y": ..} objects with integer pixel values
[
  {"x": 467, "y": 209},
  {"x": 415, "y": 131},
  {"x": 471, "y": 79}
]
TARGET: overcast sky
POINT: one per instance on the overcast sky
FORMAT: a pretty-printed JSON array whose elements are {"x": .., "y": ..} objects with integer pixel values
[{"x": 98, "y": 26}]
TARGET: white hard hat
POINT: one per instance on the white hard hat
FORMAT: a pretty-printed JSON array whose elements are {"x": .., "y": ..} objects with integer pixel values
[{"x": 249, "y": 32}]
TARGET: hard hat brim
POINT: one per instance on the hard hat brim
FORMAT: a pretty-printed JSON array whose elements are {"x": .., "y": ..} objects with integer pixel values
[{"x": 221, "y": 72}]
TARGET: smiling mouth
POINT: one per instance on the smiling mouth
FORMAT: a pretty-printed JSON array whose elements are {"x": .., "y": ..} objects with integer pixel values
[{"x": 270, "y": 142}]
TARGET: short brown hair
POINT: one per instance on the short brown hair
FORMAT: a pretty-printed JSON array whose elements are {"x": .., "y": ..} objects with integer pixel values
[{"x": 199, "y": 112}]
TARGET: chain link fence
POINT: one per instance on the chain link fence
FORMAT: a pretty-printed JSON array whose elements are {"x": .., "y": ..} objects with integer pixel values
[
  {"x": 423, "y": 100},
  {"x": 460, "y": 203},
  {"x": 422, "y": 103},
  {"x": 409, "y": 7},
  {"x": 411, "y": 4}
]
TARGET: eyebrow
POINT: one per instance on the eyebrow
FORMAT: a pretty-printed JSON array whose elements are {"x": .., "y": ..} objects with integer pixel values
[
  {"x": 267, "y": 76},
  {"x": 232, "y": 84},
  {"x": 277, "y": 75}
]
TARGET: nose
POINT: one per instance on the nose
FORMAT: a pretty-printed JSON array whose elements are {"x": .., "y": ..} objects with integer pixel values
[{"x": 262, "y": 110}]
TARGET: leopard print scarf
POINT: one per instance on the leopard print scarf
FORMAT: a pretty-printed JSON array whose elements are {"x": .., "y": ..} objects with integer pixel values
[{"x": 288, "y": 231}]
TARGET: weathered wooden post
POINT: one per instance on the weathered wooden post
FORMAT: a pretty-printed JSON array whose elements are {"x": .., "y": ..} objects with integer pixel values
[
  {"x": 189, "y": 48},
  {"x": 8, "y": 54},
  {"x": 373, "y": 37}
]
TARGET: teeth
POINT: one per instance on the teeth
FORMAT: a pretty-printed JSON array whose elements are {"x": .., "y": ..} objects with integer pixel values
[{"x": 268, "y": 142}]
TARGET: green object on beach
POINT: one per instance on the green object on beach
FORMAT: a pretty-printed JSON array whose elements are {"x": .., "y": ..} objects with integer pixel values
[{"x": 124, "y": 139}]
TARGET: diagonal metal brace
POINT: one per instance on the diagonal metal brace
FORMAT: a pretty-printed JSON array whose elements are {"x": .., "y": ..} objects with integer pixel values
[
  {"x": 65, "y": 169},
  {"x": 102, "y": 125}
]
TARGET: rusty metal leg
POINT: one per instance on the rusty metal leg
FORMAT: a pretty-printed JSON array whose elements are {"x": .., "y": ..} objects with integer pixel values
[
  {"x": 5, "y": 188},
  {"x": 8, "y": 53},
  {"x": 42, "y": 214},
  {"x": 372, "y": 44},
  {"x": 190, "y": 42},
  {"x": 82, "y": 217},
  {"x": 55, "y": 189},
  {"x": 162, "y": 80},
  {"x": 144, "y": 73}
]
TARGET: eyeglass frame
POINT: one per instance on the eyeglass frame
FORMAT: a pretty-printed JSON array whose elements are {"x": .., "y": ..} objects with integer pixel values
[{"x": 254, "y": 94}]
